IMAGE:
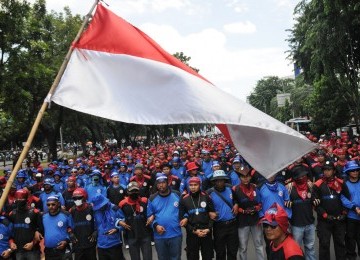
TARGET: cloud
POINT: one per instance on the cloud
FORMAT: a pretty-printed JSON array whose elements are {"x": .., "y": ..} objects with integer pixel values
[
  {"x": 237, "y": 6},
  {"x": 235, "y": 71},
  {"x": 240, "y": 27}
]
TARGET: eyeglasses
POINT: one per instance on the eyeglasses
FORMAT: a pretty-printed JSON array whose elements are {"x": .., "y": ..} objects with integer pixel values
[
  {"x": 78, "y": 198},
  {"x": 51, "y": 204},
  {"x": 266, "y": 225}
]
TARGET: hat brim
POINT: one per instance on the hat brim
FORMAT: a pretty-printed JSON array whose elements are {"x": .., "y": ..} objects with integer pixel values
[
  {"x": 133, "y": 189},
  {"x": 352, "y": 169},
  {"x": 219, "y": 178},
  {"x": 102, "y": 204},
  {"x": 273, "y": 223}
]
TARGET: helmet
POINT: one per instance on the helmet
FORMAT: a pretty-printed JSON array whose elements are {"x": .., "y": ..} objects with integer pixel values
[
  {"x": 80, "y": 192},
  {"x": 21, "y": 194}
]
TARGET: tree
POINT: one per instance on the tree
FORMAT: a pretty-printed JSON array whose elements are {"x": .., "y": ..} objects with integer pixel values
[
  {"x": 31, "y": 67},
  {"x": 325, "y": 43}
]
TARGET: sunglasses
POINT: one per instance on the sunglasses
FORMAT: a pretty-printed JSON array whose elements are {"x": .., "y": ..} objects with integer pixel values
[
  {"x": 265, "y": 226},
  {"x": 78, "y": 198},
  {"x": 51, "y": 204}
]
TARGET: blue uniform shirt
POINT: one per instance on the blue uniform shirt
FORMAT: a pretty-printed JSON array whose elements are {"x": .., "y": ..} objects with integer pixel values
[
  {"x": 6, "y": 228},
  {"x": 93, "y": 190},
  {"x": 55, "y": 228},
  {"x": 104, "y": 221},
  {"x": 166, "y": 212},
  {"x": 354, "y": 200},
  {"x": 223, "y": 210},
  {"x": 269, "y": 194}
]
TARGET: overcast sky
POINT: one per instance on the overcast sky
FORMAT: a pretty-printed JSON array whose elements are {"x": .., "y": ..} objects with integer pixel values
[{"x": 234, "y": 43}]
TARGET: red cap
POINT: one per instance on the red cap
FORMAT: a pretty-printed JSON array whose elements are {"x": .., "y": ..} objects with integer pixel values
[
  {"x": 21, "y": 194},
  {"x": 194, "y": 180},
  {"x": 276, "y": 215},
  {"x": 72, "y": 178},
  {"x": 191, "y": 166},
  {"x": 80, "y": 192}
]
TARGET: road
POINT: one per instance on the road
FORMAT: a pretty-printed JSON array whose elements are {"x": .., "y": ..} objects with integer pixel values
[{"x": 251, "y": 250}]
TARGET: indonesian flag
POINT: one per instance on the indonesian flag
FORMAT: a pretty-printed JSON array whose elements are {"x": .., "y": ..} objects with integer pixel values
[{"x": 118, "y": 72}]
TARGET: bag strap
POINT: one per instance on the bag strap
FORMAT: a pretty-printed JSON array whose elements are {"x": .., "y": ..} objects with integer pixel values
[{"x": 222, "y": 197}]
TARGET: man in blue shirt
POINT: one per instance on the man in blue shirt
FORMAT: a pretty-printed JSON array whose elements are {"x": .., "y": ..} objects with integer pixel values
[
  {"x": 55, "y": 226},
  {"x": 226, "y": 240},
  {"x": 350, "y": 198},
  {"x": 108, "y": 240},
  {"x": 163, "y": 210}
]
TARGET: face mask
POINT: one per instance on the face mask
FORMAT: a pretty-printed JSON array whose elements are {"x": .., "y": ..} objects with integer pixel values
[
  {"x": 134, "y": 196},
  {"x": 21, "y": 204},
  {"x": 78, "y": 202}
]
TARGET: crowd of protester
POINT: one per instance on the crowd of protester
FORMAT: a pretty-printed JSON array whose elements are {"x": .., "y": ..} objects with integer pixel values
[{"x": 96, "y": 206}]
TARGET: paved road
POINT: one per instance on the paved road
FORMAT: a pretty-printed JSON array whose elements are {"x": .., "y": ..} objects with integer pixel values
[{"x": 251, "y": 250}]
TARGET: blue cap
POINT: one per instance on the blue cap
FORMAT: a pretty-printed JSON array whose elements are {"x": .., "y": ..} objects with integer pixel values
[
  {"x": 160, "y": 177},
  {"x": 99, "y": 201},
  {"x": 351, "y": 166},
  {"x": 215, "y": 163},
  {"x": 52, "y": 198},
  {"x": 49, "y": 181},
  {"x": 21, "y": 174},
  {"x": 114, "y": 173},
  {"x": 95, "y": 172},
  {"x": 58, "y": 173}
]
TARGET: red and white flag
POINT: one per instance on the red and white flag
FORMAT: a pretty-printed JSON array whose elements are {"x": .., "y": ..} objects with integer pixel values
[{"x": 118, "y": 72}]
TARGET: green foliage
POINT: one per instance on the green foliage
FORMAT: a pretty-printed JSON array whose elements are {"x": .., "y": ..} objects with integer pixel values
[{"x": 325, "y": 42}]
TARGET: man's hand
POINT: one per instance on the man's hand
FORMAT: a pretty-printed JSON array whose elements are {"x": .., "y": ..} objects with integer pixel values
[
  {"x": 6, "y": 253},
  {"x": 150, "y": 220},
  {"x": 183, "y": 222},
  {"x": 357, "y": 210},
  {"x": 37, "y": 236},
  {"x": 92, "y": 238},
  {"x": 124, "y": 225},
  {"x": 213, "y": 215},
  {"x": 29, "y": 246},
  {"x": 73, "y": 238},
  {"x": 235, "y": 209},
  {"x": 61, "y": 245},
  {"x": 111, "y": 231},
  {"x": 13, "y": 246},
  {"x": 160, "y": 229}
]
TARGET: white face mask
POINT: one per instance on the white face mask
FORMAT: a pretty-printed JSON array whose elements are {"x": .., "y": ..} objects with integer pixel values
[{"x": 78, "y": 202}]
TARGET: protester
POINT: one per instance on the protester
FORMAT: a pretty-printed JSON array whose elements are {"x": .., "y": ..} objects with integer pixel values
[
  {"x": 109, "y": 239},
  {"x": 84, "y": 232},
  {"x": 302, "y": 200},
  {"x": 226, "y": 240},
  {"x": 26, "y": 223},
  {"x": 55, "y": 226},
  {"x": 194, "y": 213},
  {"x": 351, "y": 200},
  {"x": 282, "y": 246},
  {"x": 163, "y": 212},
  {"x": 331, "y": 214},
  {"x": 134, "y": 221},
  {"x": 247, "y": 196},
  {"x": 6, "y": 228}
]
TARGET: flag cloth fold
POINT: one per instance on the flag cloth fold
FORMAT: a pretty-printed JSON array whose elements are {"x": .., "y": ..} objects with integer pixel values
[{"x": 118, "y": 72}]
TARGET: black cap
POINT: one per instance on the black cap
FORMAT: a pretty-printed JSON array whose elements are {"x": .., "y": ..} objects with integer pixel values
[
  {"x": 328, "y": 165},
  {"x": 299, "y": 171}
]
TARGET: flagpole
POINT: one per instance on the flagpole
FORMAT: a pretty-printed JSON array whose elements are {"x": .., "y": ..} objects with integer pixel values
[{"x": 43, "y": 108}]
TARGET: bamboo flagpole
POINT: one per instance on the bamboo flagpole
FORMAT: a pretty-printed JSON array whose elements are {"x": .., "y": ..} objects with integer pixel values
[{"x": 43, "y": 108}]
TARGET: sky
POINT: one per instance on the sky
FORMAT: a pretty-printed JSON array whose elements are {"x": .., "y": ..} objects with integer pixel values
[{"x": 234, "y": 43}]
